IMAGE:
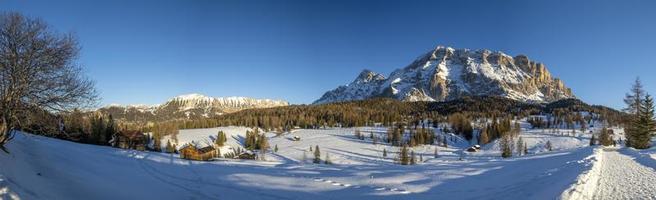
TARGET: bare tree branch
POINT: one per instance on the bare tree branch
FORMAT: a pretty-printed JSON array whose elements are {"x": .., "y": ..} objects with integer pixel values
[{"x": 37, "y": 73}]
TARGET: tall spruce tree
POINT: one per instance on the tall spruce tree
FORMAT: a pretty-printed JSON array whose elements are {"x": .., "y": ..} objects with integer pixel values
[
  {"x": 645, "y": 126},
  {"x": 520, "y": 146},
  {"x": 634, "y": 101},
  {"x": 506, "y": 146},
  {"x": 317, "y": 155},
  {"x": 403, "y": 155},
  {"x": 413, "y": 159},
  {"x": 484, "y": 137}
]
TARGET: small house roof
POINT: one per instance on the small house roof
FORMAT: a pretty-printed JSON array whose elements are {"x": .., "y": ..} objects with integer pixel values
[
  {"x": 132, "y": 134},
  {"x": 206, "y": 149}
]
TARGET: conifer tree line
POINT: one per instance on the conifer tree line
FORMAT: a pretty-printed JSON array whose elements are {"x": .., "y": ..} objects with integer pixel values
[
  {"x": 390, "y": 112},
  {"x": 409, "y": 121},
  {"x": 398, "y": 136},
  {"x": 95, "y": 128}
]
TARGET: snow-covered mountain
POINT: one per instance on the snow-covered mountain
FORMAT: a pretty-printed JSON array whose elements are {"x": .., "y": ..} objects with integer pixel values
[
  {"x": 189, "y": 106},
  {"x": 446, "y": 73},
  {"x": 224, "y": 104}
]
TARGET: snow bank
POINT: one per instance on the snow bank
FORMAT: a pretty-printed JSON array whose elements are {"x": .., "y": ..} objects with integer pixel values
[{"x": 586, "y": 183}]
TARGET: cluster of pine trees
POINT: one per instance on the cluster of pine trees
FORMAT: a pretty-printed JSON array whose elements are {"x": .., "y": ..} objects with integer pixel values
[
  {"x": 461, "y": 125},
  {"x": 256, "y": 141},
  {"x": 496, "y": 129},
  {"x": 388, "y": 112},
  {"x": 641, "y": 126},
  {"x": 95, "y": 128},
  {"x": 407, "y": 156},
  {"x": 221, "y": 139},
  {"x": 159, "y": 130}
]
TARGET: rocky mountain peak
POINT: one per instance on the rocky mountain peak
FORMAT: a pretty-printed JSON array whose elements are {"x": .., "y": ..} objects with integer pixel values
[
  {"x": 446, "y": 73},
  {"x": 368, "y": 76}
]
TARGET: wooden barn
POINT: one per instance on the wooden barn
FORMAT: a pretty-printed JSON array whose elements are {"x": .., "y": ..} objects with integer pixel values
[
  {"x": 130, "y": 140},
  {"x": 190, "y": 152}
]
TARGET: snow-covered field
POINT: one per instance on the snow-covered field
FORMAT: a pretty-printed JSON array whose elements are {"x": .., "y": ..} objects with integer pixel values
[{"x": 46, "y": 168}]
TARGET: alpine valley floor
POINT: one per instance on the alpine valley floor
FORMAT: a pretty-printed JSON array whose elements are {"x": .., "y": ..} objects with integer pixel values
[{"x": 46, "y": 168}]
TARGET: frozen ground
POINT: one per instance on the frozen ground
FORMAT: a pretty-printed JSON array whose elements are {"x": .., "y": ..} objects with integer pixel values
[{"x": 45, "y": 168}]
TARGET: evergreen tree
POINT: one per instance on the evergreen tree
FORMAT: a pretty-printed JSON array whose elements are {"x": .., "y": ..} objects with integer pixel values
[
  {"x": 633, "y": 99},
  {"x": 592, "y": 140},
  {"x": 262, "y": 142},
  {"x": 506, "y": 149},
  {"x": 548, "y": 146},
  {"x": 110, "y": 130},
  {"x": 221, "y": 139},
  {"x": 275, "y": 149},
  {"x": 645, "y": 126},
  {"x": 634, "y": 102},
  {"x": 317, "y": 155},
  {"x": 412, "y": 158},
  {"x": 384, "y": 153},
  {"x": 358, "y": 134},
  {"x": 157, "y": 140},
  {"x": 605, "y": 138},
  {"x": 648, "y": 116},
  {"x": 525, "y": 149},
  {"x": 484, "y": 138},
  {"x": 169, "y": 147},
  {"x": 516, "y": 129},
  {"x": 435, "y": 155},
  {"x": 520, "y": 146},
  {"x": 403, "y": 155},
  {"x": 327, "y": 160},
  {"x": 396, "y": 139}
]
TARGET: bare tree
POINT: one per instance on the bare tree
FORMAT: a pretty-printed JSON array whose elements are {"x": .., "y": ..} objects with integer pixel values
[{"x": 38, "y": 72}]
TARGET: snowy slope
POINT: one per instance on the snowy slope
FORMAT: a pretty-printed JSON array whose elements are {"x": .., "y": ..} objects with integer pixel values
[
  {"x": 45, "y": 168},
  {"x": 446, "y": 73}
]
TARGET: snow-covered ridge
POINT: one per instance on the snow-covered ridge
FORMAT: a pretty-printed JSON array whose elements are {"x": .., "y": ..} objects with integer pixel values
[
  {"x": 192, "y": 101},
  {"x": 446, "y": 73},
  {"x": 193, "y": 105}
]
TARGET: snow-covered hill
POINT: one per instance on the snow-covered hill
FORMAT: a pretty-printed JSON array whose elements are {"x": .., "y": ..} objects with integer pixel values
[
  {"x": 446, "y": 73},
  {"x": 189, "y": 106},
  {"x": 47, "y": 168}
]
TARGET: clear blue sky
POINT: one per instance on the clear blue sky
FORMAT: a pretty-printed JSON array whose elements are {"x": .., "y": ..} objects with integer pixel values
[{"x": 149, "y": 51}]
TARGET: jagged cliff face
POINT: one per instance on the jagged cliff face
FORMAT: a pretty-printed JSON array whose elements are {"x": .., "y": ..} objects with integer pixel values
[
  {"x": 189, "y": 106},
  {"x": 446, "y": 73}
]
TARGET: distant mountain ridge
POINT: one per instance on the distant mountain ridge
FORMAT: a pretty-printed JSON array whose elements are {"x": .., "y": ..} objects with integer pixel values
[
  {"x": 190, "y": 106},
  {"x": 446, "y": 73}
]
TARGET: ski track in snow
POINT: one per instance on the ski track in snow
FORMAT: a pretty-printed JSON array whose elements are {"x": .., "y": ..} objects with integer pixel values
[{"x": 623, "y": 178}]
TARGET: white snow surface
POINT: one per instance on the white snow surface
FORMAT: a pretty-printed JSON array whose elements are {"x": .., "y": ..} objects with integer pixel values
[
  {"x": 617, "y": 174},
  {"x": 46, "y": 168}
]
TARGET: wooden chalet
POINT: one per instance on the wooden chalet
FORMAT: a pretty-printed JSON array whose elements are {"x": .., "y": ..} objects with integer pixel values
[
  {"x": 130, "y": 140},
  {"x": 190, "y": 152}
]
